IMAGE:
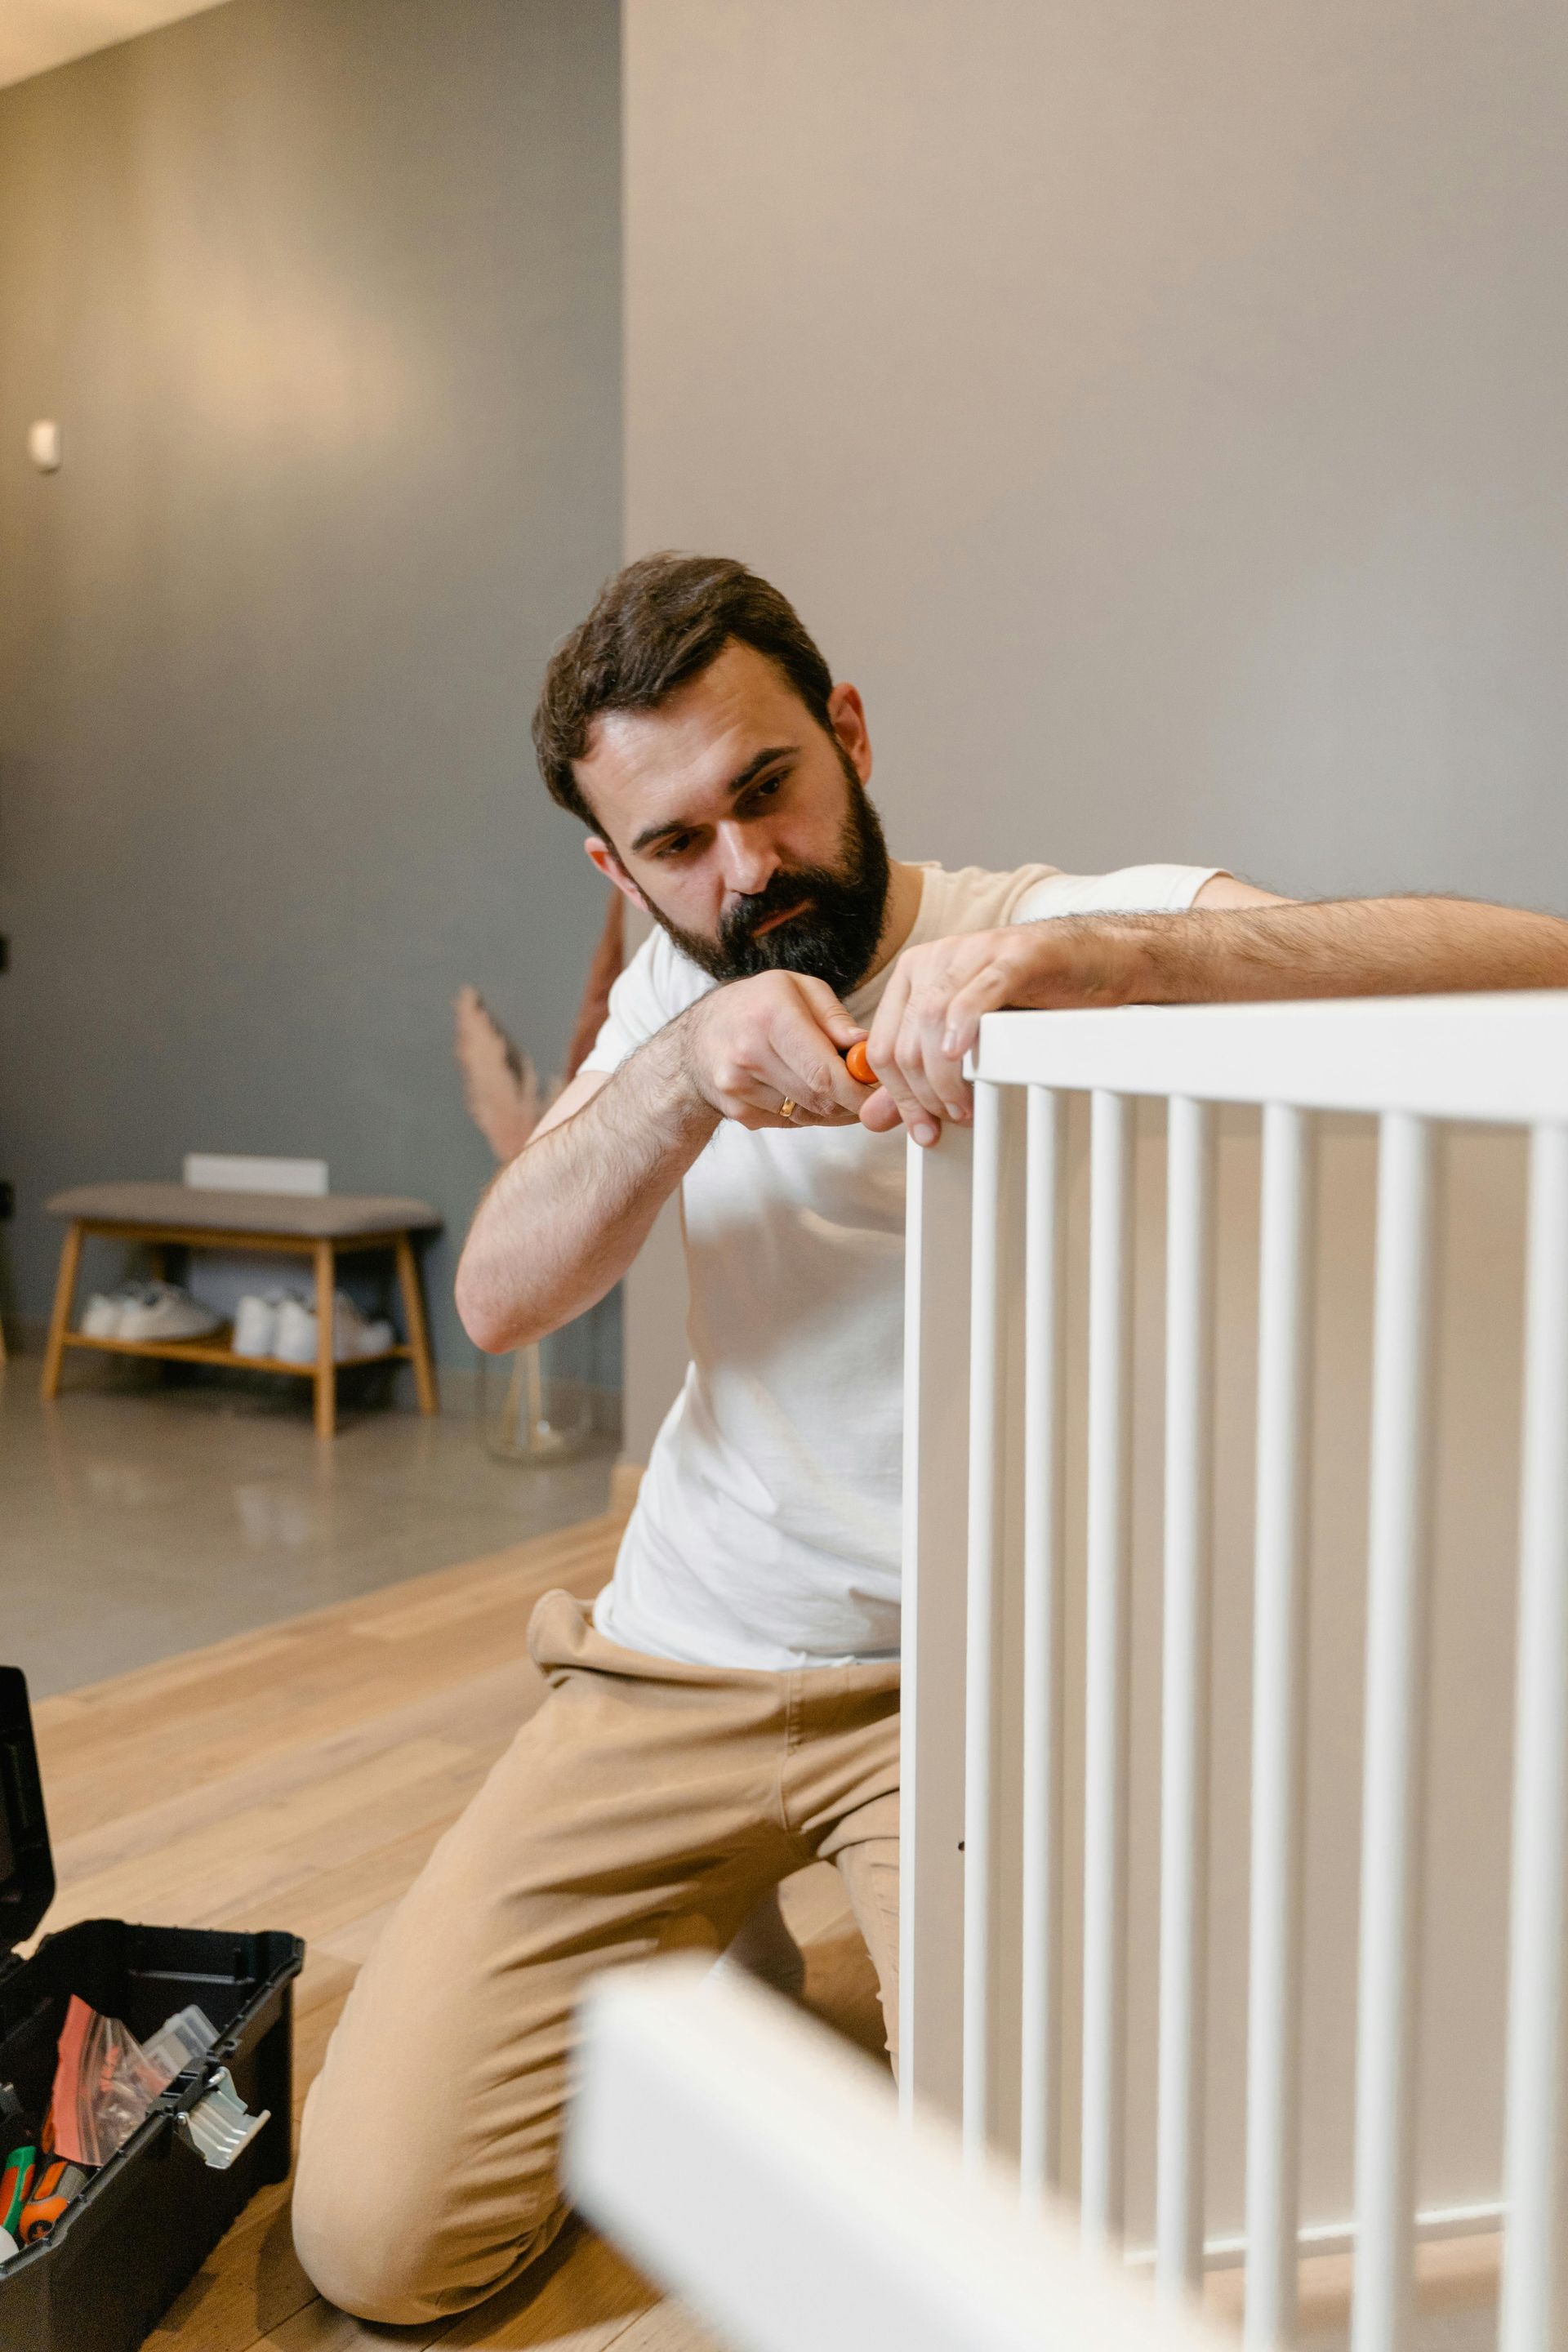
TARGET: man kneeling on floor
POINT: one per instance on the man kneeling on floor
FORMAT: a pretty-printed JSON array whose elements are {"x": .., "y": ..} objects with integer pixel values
[{"x": 728, "y": 1711}]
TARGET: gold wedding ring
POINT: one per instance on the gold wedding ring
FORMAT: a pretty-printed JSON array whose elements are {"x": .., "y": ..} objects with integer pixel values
[{"x": 788, "y": 1106}]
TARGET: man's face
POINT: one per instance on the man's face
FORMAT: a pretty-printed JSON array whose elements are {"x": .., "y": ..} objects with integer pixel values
[{"x": 741, "y": 826}]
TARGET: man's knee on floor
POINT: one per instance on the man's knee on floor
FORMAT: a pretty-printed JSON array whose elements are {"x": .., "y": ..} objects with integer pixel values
[{"x": 373, "y": 2240}]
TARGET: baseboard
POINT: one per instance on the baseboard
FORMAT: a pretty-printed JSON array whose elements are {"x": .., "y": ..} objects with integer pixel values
[{"x": 1437, "y": 2221}]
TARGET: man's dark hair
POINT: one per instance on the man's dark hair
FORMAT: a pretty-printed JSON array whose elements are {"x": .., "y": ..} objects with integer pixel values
[{"x": 657, "y": 623}]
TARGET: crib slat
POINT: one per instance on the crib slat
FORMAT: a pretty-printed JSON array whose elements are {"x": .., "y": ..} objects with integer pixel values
[
  {"x": 1278, "y": 1720},
  {"x": 1185, "y": 1782},
  {"x": 1535, "y": 2313},
  {"x": 1108, "y": 1576},
  {"x": 1399, "y": 1578},
  {"x": 1039, "y": 2146},
  {"x": 931, "y": 1729},
  {"x": 983, "y": 1653}
]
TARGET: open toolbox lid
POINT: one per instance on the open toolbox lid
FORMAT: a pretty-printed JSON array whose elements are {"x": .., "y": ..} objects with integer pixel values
[{"x": 26, "y": 1864}]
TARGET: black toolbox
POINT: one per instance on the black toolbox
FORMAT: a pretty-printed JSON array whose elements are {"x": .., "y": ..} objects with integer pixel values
[{"x": 145, "y": 2222}]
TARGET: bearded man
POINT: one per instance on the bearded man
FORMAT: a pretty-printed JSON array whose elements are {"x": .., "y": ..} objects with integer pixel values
[{"x": 728, "y": 1711}]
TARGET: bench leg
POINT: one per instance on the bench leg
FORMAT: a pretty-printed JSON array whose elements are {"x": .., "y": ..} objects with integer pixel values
[
  {"x": 59, "y": 1319},
  {"x": 326, "y": 1360},
  {"x": 413, "y": 1322}
]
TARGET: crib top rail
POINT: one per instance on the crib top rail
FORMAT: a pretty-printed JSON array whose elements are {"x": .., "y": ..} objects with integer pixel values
[
  {"x": 1501, "y": 1059},
  {"x": 748, "y": 2160}
]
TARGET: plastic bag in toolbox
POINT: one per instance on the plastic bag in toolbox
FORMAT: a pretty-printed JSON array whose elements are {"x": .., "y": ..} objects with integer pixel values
[{"x": 106, "y": 2082}]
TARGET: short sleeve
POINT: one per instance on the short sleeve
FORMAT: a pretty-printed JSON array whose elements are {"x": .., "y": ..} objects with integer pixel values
[
  {"x": 1131, "y": 890},
  {"x": 657, "y": 983},
  {"x": 636, "y": 1013}
]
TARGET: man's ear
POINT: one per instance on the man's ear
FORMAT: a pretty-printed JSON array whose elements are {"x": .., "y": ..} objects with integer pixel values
[
  {"x": 602, "y": 855},
  {"x": 847, "y": 712}
]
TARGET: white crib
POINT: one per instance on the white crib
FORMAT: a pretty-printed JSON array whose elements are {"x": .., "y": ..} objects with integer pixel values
[{"x": 1038, "y": 2081}]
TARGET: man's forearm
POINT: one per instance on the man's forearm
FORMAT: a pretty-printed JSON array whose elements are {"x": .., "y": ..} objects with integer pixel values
[
  {"x": 1358, "y": 947},
  {"x": 560, "y": 1226}
]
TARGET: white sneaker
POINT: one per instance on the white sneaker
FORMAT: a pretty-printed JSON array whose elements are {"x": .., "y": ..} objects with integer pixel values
[
  {"x": 294, "y": 1338},
  {"x": 100, "y": 1318},
  {"x": 256, "y": 1324},
  {"x": 353, "y": 1334},
  {"x": 104, "y": 1317},
  {"x": 166, "y": 1312}
]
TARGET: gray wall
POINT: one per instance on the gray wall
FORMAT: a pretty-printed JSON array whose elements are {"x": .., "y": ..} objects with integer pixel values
[
  {"x": 1156, "y": 409},
  {"x": 325, "y": 294}
]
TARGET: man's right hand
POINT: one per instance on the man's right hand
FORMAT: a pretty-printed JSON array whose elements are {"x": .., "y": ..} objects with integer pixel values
[
  {"x": 779, "y": 1037},
  {"x": 566, "y": 1217}
]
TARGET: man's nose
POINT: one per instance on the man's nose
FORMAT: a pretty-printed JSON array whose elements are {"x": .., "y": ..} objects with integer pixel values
[{"x": 748, "y": 865}]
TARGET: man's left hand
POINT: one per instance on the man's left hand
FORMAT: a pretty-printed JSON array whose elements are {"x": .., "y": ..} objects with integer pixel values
[
  {"x": 930, "y": 1012},
  {"x": 1235, "y": 944}
]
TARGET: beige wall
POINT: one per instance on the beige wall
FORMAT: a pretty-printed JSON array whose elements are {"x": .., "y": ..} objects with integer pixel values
[{"x": 1157, "y": 410}]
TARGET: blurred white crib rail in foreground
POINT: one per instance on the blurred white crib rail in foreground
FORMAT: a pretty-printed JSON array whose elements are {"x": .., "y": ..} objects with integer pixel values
[
  {"x": 755, "y": 2166},
  {"x": 983, "y": 2007}
]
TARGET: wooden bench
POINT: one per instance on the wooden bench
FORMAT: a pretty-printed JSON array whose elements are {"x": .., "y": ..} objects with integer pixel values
[{"x": 321, "y": 1227}]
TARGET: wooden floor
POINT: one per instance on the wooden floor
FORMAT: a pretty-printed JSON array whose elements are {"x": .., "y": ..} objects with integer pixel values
[{"x": 296, "y": 1778}]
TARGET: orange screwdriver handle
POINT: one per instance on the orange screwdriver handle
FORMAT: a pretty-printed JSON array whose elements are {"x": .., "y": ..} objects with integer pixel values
[
  {"x": 52, "y": 2189},
  {"x": 858, "y": 1067}
]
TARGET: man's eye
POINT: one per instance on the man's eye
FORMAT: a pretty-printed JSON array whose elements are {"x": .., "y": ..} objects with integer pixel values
[{"x": 678, "y": 847}]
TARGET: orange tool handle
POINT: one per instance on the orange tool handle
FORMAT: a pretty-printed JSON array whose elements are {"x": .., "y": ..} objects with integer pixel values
[
  {"x": 858, "y": 1067},
  {"x": 53, "y": 2186}
]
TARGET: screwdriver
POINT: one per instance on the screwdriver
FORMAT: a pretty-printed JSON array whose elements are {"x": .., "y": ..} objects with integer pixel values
[{"x": 52, "y": 2191}]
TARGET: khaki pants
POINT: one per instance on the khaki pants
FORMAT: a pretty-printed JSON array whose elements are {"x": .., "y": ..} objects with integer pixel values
[{"x": 647, "y": 1806}]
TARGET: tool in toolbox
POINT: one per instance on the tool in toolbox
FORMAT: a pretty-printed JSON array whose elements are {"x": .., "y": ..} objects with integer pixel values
[
  {"x": 199, "y": 2024},
  {"x": 19, "y": 2135},
  {"x": 53, "y": 2186},
  {"x": 20, "y": 2167}
]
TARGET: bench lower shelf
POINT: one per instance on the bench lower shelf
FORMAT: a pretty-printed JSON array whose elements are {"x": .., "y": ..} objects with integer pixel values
[{"x": 215, "y": 1349}]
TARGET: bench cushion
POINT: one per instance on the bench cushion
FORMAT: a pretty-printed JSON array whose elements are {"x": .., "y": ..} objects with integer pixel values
[{"x": 321, "y": 1216}]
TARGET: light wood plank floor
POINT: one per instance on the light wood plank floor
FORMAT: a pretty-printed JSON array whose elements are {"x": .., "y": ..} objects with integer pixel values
[{"x": 296, "y": 1778}]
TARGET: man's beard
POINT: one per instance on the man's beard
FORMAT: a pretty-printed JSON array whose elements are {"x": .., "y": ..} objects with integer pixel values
[{"x": 835, "y": 937}]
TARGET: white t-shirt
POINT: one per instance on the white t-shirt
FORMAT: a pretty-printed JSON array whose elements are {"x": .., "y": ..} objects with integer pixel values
[{"x": 766, "y": 1530}]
